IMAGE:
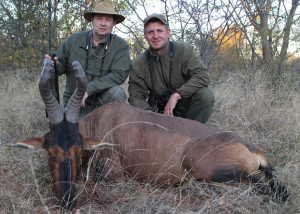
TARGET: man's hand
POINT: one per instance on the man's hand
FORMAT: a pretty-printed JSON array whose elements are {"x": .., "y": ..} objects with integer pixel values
[
  {"x": 171, "y": 104},
  {"x": 49, "y": 58},
  {"x": 83, "y": 99}
]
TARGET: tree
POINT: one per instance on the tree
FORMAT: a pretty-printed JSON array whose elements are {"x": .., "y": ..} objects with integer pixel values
[
  {"x": 22, "y": 32},
  {"x": 272, "y": 22},
  {"x": 31, "y": 28},
  {"x": 194, "y": 21}
]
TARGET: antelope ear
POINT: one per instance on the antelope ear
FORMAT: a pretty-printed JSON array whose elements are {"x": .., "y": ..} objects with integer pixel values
[
  {"x": 31, "y": 143},
  {"x": 93, "y": 144}
]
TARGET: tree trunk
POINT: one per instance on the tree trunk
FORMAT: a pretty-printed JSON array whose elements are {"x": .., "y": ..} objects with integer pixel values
[{"x": 286, "y": 38}]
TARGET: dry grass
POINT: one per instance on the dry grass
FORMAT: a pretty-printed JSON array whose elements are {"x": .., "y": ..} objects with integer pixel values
[{"x": 268, "y": 118}]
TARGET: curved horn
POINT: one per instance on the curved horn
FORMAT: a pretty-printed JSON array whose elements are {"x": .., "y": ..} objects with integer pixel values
[
  {"x": 54, "y": 113},
  {"x": 73, "y": 106}
]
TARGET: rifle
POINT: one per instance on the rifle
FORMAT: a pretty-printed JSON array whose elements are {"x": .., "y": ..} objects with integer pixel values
[{"x": 53, "y": 54}]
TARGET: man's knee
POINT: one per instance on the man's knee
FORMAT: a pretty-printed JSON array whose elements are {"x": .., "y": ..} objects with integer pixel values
[
  {"x": 116, "y": 93},
  {"x": 205, "y": 97},
  {"x": 202, "y": 105}
]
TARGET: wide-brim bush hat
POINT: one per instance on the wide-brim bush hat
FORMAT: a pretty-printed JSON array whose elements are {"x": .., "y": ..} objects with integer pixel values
[{"x": 104, "y": 7}]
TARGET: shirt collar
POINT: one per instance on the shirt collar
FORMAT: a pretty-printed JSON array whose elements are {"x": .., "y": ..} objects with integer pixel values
[{"x": 102, "y": 43}]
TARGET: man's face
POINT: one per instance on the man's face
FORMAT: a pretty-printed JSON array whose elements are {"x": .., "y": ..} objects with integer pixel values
[
  {"x": 157, "y": 36},
  {"x": 103, "y": 25}
]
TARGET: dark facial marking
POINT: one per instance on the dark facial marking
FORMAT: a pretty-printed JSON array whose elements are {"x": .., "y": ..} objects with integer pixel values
[{"x": 64, "y": 145}]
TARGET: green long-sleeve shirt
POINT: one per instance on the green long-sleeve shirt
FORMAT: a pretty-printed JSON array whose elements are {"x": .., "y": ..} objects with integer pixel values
[
  {"x": 114, "y": 69},
  {"x": 188, "y": 74}
]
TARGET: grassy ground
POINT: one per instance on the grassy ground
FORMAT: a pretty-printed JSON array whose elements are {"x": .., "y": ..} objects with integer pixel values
[{"x": 268, "y": 118}]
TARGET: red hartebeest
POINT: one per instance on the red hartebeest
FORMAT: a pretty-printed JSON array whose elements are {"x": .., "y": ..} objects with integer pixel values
[{"x": 148, "y": 147}]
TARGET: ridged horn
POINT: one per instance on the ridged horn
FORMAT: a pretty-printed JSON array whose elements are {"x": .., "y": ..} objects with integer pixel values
[
  {"x": 55, "y": 114},
  {"x": 73, "y": 106}
]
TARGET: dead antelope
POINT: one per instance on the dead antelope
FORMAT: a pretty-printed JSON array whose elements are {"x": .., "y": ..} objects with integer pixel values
[{"x": 149, "y": 147}]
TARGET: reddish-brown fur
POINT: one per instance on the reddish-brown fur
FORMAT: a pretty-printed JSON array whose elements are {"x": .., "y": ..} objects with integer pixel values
[
  {"x": 162, "y": 149},
  {"x": 57, "y": 155},
  {"x": 146, "y": 146}
]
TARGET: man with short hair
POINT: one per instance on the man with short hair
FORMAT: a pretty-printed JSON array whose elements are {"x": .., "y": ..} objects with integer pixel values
[
  {"x": 103, "y": 56},
  {"x": 169, "y": 77}
]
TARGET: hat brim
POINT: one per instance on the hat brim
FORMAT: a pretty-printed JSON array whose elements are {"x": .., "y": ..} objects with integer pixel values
[
  {"x": 155, "y": 18},
  {"x": 118, "y": 17}
]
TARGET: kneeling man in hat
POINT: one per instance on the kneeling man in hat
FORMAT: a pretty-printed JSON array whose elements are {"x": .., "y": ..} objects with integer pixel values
[{"x": 103, "y": 56}]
